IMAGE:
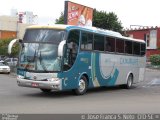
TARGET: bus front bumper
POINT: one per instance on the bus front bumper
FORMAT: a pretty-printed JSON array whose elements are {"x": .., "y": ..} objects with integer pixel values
[{"x": 54, "y": 84}]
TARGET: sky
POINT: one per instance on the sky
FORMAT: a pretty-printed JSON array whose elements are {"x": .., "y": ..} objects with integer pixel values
[{"x": 129, "y": 12}]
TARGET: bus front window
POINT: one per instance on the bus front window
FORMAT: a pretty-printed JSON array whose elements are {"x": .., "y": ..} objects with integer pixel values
[
  {"x": 40, "y": 57},
  {"x": 40, "y": 50}
]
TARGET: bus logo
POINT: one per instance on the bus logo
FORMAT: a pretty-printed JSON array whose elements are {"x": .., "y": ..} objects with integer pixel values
[{"x": 34, "y": 77}]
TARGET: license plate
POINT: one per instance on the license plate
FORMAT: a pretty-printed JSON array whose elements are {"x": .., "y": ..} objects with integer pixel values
[{"x": 35, "y": 84}]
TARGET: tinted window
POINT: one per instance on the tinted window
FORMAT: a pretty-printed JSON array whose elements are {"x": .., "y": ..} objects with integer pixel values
[
  {"x": 119, "y": 45},
  {"x": 74, "y": 36},
  {"x": 87, "y": 40},
  {"x": 99, "y": 42},
  {"x": 143, "y": 49},
  {"x": 128, "y": 47},
  {"x": 84, "y": 41},
  {"x": 110, "y": 44},
  {"x": 136, "y": 48}
]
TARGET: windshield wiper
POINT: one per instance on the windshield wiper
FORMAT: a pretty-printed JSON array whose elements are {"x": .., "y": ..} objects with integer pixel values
[
  {"x": 31, "y": 58},
  {"x": 41, "y": 62}
]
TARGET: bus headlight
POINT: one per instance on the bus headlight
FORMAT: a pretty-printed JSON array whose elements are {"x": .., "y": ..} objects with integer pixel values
[
  {"x": 56, "y": 83},
  {"x": 56, "y": 80},
  {"x": 20, "y": 77}
]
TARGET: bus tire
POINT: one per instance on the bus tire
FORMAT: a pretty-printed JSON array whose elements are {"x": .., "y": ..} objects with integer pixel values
[
  {"x": 82, "y": 86},
  {"x": 129, "y": 82},
  {"x": 46, "y": 90}
]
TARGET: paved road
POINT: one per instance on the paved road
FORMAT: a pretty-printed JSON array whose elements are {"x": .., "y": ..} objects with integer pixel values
[{"x": 143, "y": 98}]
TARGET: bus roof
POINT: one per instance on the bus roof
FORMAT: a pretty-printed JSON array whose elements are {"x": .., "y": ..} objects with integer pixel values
[
  {"x": 90, "y": 29},
  {"x": 56, "y": 26}
]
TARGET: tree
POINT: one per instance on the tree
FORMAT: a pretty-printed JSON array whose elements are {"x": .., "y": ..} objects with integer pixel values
[
  {"x": 60, "y": 20},
  {"x": 105, "y": 20},
  {"x": 4, "y": 47},
  {"x": 101, "y": 19}
]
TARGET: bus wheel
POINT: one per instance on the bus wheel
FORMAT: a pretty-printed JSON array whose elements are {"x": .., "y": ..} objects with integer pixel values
[
  {"x": 46, "y": 90},
  {"x": 129, "y": 82},
  {"x": 82, "y": 86}
]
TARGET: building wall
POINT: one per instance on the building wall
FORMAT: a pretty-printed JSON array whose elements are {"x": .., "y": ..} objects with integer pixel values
[
  {"x": 8, "y": 34},
  {"x": 154, "y": 41},
  {"x": 138, "y": 34},
  {"x": 9, "y": 27},
  {"x": 158, "y": 38},
  {"x": 152, "y": 52},
  {"x": 8, "y": 23}
]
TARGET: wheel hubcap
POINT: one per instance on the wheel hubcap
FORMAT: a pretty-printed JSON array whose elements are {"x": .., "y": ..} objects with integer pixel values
[
  {"x": 130, "y": 81},
  {"x": 82, "y": 85}
]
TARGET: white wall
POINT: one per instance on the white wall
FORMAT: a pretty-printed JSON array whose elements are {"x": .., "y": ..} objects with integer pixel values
[{"x": 10, "y": 23}]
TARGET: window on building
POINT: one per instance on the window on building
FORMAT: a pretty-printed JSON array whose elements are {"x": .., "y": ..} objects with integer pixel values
[{"x": 147, "y": 39}]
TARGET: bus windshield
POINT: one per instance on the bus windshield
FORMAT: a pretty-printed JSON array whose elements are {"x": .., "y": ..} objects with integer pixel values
[
  {"x": 43, "y": 35},
  {"x": 40, "y": 50}
]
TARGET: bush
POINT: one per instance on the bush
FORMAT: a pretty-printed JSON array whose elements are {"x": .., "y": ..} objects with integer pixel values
[
  {"x": 155, "y": 59},
  {"x": 4, "y": 47}
]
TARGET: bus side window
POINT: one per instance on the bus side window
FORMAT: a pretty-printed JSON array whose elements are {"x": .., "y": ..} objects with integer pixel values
[
  {"x": 98, "y": 42},
  {"x": 87, "y": 41},
  {"x": 143, "y": 49},
  {"x": 128, "y": 47},
  {"x": 90, "y": 41},
  {"x": 136, "y": 48},
  {"x": 119, "y": 45},
  {"x": 110, "y": 44},
  {"x": 84, "y": 41}
]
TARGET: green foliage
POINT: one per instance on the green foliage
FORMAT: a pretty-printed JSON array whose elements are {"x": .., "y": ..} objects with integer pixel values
[
  {"x": 105, "y": 20},
  {"x": 4, "y": 47},
  {"x": 155, "y": 59},
  {"x": 60, "y": 20},
  {"x": 101, "y": 19}
]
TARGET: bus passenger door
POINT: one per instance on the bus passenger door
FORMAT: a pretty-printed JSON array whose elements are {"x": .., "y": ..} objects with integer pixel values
[{"x": 72, "y": 46}]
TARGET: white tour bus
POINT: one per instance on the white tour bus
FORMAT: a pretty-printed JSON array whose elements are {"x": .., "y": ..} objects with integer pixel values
[{"x": 63, "y": 57}]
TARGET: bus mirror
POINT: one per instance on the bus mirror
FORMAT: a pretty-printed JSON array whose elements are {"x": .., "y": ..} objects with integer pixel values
[
  {"x": 61, "y": 48},
  {"x": 11, "y": 45}
]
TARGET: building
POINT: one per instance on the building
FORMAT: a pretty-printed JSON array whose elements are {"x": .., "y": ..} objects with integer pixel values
[
  {"x": 26, "y": 17},
  {"x": 149, "y": 34},
  {"x": 8, "y": 27},
  {"x": 11, "y": 28},
  {"x": 14, "y": 26}
]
